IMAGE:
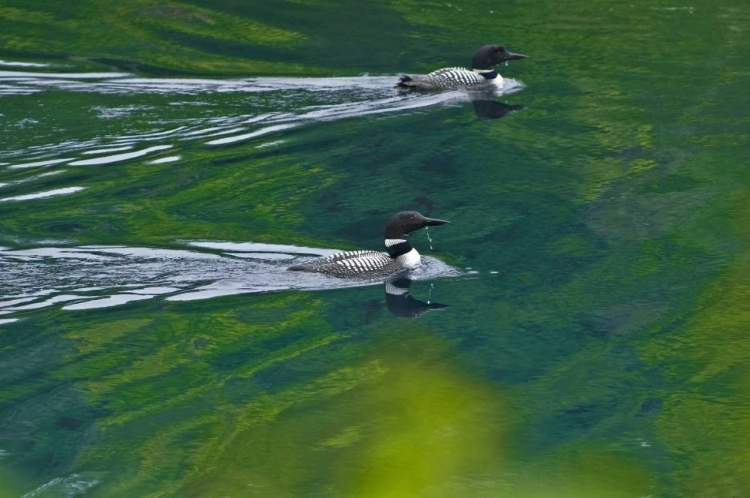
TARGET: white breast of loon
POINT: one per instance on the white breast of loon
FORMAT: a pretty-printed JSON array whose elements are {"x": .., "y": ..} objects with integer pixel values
[{"x": 457, "y": 77}]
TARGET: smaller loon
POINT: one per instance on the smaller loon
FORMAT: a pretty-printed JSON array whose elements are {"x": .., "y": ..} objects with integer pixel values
[
  {"x": 482, "y": 76},
  {"x": 401, "y": 256}
]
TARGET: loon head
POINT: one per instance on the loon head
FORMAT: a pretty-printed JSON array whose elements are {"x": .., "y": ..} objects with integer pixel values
[
  {"x": 489, "y": 56},
  {"x": 406, "y": 222}
]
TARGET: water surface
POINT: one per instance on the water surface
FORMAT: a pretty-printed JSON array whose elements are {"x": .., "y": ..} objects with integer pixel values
[{"x": 161, "y": 165}]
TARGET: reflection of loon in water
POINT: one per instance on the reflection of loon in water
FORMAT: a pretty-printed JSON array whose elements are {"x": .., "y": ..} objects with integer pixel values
[
  {"x": 401, "y": 256},
  {"x": 400, "y": 302},
  {"x": 492, "y": 109}
]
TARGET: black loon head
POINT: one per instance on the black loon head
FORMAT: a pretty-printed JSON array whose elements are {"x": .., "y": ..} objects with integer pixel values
[
  {"x": 405, "y": 222},
  {"x": 489, "y": 56}
]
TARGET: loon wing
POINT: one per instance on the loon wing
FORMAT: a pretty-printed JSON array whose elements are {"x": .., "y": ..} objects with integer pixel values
[
  {"x": 353, "y": 264},
  {"x": 447, "y": 78},
  {"x": 458, "y": 77}
]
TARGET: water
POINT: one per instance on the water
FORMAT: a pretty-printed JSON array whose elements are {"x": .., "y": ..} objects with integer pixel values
[{"x": 578, "y": 329}]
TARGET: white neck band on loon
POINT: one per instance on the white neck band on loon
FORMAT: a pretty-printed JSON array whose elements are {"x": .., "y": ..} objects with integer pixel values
[
  {"x": 489, "y": 74},
  {"x": 397, "y": 247}
]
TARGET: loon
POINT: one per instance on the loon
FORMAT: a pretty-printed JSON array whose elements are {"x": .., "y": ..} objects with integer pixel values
[
  {"x": 483, "y": 75},
  {"x": 401, "y": 256}
]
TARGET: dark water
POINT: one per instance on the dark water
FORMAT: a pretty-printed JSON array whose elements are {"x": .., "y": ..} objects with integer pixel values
[{"x": 161, "y": 164}]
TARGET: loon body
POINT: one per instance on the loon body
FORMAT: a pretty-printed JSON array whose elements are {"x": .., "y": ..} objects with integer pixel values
[
  {"x": 482, "y": 76},
  {"x": 400, "y": 257}
]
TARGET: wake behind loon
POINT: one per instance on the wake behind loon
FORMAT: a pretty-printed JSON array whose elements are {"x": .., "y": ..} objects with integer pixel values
[
  {"x": 482, "y": 76},
  {"x": 401, "y": 256}
]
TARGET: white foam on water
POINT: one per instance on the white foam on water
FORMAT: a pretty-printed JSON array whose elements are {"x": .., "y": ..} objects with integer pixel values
[
  {"x": 163, "y": 160},
  {"x": 212, "y": 292},
  {"x": 256, "y": 133},
  {"x": 49, "y": 302},
  {"x": 34, "y": 178},
  {"x": 260, "y": 255},
  {"x": 73, "y": 485},
  {"x": 148, "y": 252},
  {"x": 45, "y": 175},
  {"x": 107, "y": 302},
  {"x": 13, "y": 302},
  {"x": 204, "y": 131},
  {"x": 39, "y": 164},
  {"x": 226, "y": 132},
  {"x": 119, "y": 157},
  {"x": 22, "y": 64},
  {"x": 44, "y": 195},
  {"x": 155, "y": 290},
  {"x": 154, "y": 134},
  {"x": 15, "y": 75},
  {"x": 107, "y": 151},
  {"x": 7, "y": 320},
  {"x": 270, "y": 144},
  {"x": 119, "y": 112},
  {"x": 52, "y": 252}
]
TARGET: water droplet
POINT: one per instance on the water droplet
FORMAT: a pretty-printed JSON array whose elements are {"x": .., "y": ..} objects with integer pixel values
[
  {"x": 427, "y": 231},
  {"x": 429, "y": 295}
]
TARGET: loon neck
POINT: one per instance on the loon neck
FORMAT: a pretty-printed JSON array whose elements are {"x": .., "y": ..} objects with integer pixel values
[
  {"x": 397, "y": 247},
  {"x": 489, "y": 74}
]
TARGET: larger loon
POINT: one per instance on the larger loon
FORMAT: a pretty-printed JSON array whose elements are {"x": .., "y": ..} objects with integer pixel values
[
  {"x": 482, "y": 76},
  {"x": 401, "y": 256}
]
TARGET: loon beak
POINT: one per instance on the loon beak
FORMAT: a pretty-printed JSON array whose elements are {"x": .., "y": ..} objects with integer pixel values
[
  {"x": 510, "y": 56},
  {"x": 433, "y": 222}
]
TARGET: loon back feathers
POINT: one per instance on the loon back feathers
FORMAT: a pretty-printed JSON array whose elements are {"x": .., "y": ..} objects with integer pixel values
[
  {"x": 449, "y": 78},
  {"x": 352, "y": 264}
]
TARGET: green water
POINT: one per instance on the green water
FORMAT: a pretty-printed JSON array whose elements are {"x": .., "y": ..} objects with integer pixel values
[{"x": 596, "y": 270}]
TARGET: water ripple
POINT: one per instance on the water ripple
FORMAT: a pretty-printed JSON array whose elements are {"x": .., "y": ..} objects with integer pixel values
[
  {"x": 288, "y": 104},
  {"x": 88, "y": 277}
]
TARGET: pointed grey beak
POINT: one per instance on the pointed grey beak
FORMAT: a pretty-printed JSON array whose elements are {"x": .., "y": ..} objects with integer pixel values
[
  {"x": 510, "y": 56},
  {"x": 433, "y": 222}
]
